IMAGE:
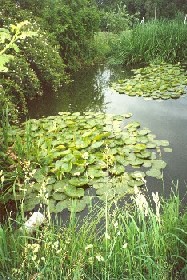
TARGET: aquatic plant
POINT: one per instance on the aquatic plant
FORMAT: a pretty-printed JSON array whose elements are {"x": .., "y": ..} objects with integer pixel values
[
  {"x": 153, "y": 41},
  {"x": 60, "y": 158},
  {"x": 163, "y": 81}
]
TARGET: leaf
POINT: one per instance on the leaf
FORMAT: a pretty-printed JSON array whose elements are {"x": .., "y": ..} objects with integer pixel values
[
  {"x": 5, "y": 58},
  {"x": 59, "y": 196},
  {"x": 78, "y": 181},
  {"x": 59, "y": 185},
  {"x": 78, "y": 205},
  {"x": 73, "y": 192},
  {"x": 154, "y": 173},
  {"x": 39, "y": 176},
  {"x": 97, "y": 145},
  {"x": 61, "y": 205},
  {"x": 168, "y": 150},
  {"x": 63, "y": 166},
  {"x": 51, "y": 205},
  {"x": 4, "y": 35}
]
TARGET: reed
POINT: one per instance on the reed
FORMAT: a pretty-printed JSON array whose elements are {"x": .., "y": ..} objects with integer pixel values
[
  {"x": 154, "y": 41},
  {"x": 146, "y": 239}
]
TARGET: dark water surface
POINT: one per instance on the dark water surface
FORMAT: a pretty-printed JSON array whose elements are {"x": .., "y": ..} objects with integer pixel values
[{"x": 91, "y": 91}]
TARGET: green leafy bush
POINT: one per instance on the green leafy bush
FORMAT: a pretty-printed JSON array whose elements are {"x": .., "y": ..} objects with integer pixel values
[
  {"x": 73, "y": 25},
  {"x": 31, "y": 66}
]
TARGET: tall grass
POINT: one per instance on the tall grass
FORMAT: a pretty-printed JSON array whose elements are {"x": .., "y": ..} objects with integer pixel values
[
  {"x": 154, "y": 41},
  {"x": 147, "y": 240}
]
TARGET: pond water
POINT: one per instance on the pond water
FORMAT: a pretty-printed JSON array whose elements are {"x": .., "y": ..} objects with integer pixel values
[{"x": 90, "y": 91}]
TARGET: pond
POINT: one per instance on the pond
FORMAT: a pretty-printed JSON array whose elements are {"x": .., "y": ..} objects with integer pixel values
[{"x": 90, "y": 91}]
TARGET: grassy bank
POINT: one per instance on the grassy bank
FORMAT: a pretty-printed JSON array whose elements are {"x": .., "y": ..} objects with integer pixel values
[
  {"x": 133, "y": 242},
  {"x": 153, "y": 41}
]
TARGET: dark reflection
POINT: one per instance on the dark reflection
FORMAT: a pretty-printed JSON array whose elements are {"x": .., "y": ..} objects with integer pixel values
[{"x": 85, "y": 93}]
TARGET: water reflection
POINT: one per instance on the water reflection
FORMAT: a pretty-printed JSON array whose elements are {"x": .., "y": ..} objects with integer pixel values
[{"x": 85, "y": 93}]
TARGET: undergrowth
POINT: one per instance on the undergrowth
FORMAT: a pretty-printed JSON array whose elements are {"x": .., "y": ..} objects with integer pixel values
[{"x": 146, "y": 239}]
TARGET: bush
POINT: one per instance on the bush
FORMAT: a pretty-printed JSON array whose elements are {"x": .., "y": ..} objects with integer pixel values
[{"x": 34, "y": 65}]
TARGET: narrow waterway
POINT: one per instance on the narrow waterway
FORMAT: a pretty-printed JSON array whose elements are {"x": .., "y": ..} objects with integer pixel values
[{"x": 91, "y": 91}]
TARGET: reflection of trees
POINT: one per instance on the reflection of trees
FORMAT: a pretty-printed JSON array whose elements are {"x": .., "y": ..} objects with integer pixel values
[{"x": 85, "y": 93}]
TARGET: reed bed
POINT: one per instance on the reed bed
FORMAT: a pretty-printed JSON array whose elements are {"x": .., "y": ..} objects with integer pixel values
[
  {"x": 153, "y": 41},
  {"x": 146, "y": 239}
]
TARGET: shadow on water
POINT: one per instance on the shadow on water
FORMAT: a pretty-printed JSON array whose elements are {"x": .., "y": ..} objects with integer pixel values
[
  {"x": 85, "y": 93},
  {"x": 90, "y": 91}
]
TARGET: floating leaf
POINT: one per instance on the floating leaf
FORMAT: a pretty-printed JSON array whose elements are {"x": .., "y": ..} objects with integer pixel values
[
  {"x": 61, "y": 205},
  {"x": 154, "y": 173},
  {"x": 59, "y": 185},
  {"x": 168, "y": 150},
  {"x": 78, "y": 205},
  {"x": 78, "y": 181},
  {"x": 91, "y": 150},
  {"x": 59, "y": 196},
  {"x": 158, "y": 82},
  {"x": 73, "y": 192}
]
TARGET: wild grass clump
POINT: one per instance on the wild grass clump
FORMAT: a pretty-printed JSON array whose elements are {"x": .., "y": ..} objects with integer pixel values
[
  {"x": 146, "y": 240},
  {"x": 154, "y": 41}
]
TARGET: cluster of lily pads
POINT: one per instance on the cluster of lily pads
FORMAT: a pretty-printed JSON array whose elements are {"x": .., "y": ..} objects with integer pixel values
[
  {"x": 72, "y": 154},
  {"x": 162, "y": 81}
]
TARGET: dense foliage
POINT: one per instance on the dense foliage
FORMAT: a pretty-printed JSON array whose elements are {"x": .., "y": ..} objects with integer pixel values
[
  {"x": 150, "y": 42},
  {"x": 36, "y": 64},
  {"x": 80, "y": 153},
  {"x": 129, "y": 242},
  {"x": 65, "y": 40},
  {"x": 149, "y": 9}
]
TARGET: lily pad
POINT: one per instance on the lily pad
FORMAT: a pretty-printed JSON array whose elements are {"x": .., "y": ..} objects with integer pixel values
[
  {"x": 59, "y": 185},
  {"x": 73, "y": 152},
  {"x": 154, "y": 173},
  {"x": 73, "y": 192},
  {"x": 61, "y": 205},
  {"x": 59, "y": 196},
  {"x": 158, "y": 82}
]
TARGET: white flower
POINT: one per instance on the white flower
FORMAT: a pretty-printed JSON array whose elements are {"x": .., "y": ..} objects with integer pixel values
[
  {"x": 116, "y": 224},
  {"x": 107, "y": 236},
  {"x": 124, "y": 246},
  {"x": 89, "y": 246},
  {"x": 141, "y": 202},
  {"x": 100, "y": 258},
  {"x": 156, "y": 199}
]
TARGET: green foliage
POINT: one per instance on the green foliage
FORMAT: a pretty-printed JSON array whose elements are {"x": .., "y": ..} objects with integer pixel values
[
  {"x": 128, "y": 242},
  {"x": 81, "y": 153},
  {"x": 161, "y": 81},
  {"x": 149, "y": 9},
  {"x": 102, "y": 45},
  {"x": 73, "y": 24},
  {"x": 36, "y": 65},
  {"x": 8, "y": 40},
  {"x": 154, "y": 41},
  {"x": 115, "y": 20},
  {"x": 8, "y": 48}
]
